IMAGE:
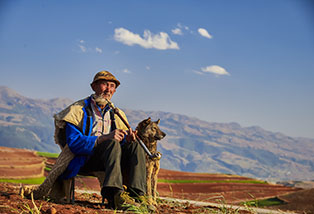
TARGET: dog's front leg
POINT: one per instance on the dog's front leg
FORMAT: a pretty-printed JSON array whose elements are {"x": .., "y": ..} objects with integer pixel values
[
  {"x": 149, "y": 171},
  {"x": 155, "y": 181}
]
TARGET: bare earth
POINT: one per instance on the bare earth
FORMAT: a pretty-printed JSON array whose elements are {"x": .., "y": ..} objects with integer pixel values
[
  {"x": 16, "y": 163},
  {"x": 20, "y": 163},
  {"x": 210, "y": 192}
]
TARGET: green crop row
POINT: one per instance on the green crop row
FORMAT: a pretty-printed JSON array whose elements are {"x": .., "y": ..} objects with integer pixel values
[
  {"x": 24, "y": 181},
  {"x": 48, "y": 154},
  {"x": 264, "y": 203}
]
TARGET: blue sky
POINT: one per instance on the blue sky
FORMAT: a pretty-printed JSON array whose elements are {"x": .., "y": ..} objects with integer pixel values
[{"x": 245, "y": 61}]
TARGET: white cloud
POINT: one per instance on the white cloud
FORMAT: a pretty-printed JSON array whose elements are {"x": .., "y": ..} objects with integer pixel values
[
  {"x": 86, "y": 48},
  {"x": 159, "y": 41},
  {"x": 204, "y": 33},
  {"x": 198, "y": 72},
  {"x": 98, "y": 50},
  {"x": 183, "y": 26},
  {"x": 215, "y": 69},
  {"x": 83, "y": 48},
  {"x": 177, "y": 31},
  {"x": 127, "y": 71}
]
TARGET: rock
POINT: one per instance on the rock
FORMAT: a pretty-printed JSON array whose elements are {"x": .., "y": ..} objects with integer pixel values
[{"x": 52, "y": 210}]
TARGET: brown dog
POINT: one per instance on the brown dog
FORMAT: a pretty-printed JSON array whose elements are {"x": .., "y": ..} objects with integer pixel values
[{"x": 149, "y": 133}]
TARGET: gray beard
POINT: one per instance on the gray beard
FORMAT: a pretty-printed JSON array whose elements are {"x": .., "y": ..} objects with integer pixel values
[{"x": 100, "y": 100}]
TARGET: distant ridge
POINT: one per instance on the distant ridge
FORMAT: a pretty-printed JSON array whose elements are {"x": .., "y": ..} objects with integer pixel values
[
  {"x": 190, "y": 145},
  {"x": 27, "y": 123}
]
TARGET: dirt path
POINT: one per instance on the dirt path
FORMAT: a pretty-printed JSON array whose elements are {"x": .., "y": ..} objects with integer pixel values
[
  {"x": 229, "y": 206},
  {"x": 210, "y": 204}
]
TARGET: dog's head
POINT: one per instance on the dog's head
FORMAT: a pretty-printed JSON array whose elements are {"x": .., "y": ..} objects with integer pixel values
[{"x": 150, "y": 130}]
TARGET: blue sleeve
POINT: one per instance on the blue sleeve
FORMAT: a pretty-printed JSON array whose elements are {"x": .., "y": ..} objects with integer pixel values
[{"x": 78, "y": 143}]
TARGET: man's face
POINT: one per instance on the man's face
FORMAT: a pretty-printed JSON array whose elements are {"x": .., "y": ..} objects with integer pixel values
[{"x": 104, "y": 88}]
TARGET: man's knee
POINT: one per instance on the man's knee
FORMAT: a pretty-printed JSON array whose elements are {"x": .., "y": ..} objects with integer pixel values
[
  {"x": 134, "y": 148},
  {"x": 138, "y": 148},
  {"x": 113, "y": 143},
  {"x": 109, "y": 145}
]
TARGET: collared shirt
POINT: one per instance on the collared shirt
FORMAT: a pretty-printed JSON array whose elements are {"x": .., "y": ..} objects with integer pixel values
[{"x": 101, "y": 120}]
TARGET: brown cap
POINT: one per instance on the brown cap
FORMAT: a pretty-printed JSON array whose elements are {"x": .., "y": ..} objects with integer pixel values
[{"x": 106, "y": 75}]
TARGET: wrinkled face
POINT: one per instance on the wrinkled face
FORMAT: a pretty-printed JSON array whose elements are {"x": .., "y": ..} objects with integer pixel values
[{"x": 104, "y": 88}]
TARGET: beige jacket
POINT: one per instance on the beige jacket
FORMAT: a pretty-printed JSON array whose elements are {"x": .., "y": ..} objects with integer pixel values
[{"x": 74, "y": 114}]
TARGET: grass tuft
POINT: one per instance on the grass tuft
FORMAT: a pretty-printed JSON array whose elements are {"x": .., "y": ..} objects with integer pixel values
[
  {"x": 48, "y": 154},
  {"x": 264, "y": 203},
  {"x": 24, "y": 181}
]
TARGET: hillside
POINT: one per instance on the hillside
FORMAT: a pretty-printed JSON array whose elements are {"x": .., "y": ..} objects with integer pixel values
[
  {"x": 190, "y": 145},
  {"x": 197, "y": 146},
  {"x": 27, "y": 123}
]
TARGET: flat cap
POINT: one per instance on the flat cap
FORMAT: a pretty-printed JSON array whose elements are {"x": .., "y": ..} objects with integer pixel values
[{"x": 106, "y": 75}]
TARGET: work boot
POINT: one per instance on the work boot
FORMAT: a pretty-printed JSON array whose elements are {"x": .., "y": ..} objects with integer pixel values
[
  {"x": 118, "y": 201},
  {"x": 109, "y": 193},
  {"x": 117, "y": 198},
  {"x": 135, "y": 193}
]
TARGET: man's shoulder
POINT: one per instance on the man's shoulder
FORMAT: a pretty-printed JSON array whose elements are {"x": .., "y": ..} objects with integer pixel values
[
  {"x": 80, "y": 103},
  {"x": 73, "y": 113},
  {"x": 77, "y": 105}
]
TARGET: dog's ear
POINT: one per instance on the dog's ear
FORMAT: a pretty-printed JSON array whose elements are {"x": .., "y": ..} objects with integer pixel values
[
  {"x": 158, "y": 121},
  {"x": 146, "y": 121}
]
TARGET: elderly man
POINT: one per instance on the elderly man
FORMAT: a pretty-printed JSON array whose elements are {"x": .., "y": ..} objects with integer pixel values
[{"x": 100, "y": 141}]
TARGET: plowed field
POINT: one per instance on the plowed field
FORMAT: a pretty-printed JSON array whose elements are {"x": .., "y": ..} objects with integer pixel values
[
  {"x": 19, "y": 163},
  {"x": 213, "y": 187}
]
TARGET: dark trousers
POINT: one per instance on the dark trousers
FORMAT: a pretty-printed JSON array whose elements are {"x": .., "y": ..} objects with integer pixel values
[{"x": 122, "y": 165}]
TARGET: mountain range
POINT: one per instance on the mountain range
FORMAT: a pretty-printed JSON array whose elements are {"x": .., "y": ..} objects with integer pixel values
[{"x": 190, "y": 145}]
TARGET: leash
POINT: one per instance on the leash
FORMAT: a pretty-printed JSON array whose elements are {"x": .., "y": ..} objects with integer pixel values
[{"x": 116, "y": 111}]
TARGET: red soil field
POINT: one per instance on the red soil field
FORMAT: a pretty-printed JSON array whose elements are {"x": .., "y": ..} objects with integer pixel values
[
  {"x": 207, "y": 192},
  {"x": 20, "y": 164},
  {"x": 178, "y": 175},
  {"x": 227, "y": 192},
  {"x": 211, "y": 192}
]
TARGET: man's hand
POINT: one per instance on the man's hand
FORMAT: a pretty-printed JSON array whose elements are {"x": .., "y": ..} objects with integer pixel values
[
  {"x": 117, "y": 134},
  {"x": 131, "y": 135}
]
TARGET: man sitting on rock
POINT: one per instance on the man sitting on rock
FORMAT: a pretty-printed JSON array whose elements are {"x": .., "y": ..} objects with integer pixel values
[{"x": 98, "y": 140}]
